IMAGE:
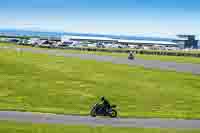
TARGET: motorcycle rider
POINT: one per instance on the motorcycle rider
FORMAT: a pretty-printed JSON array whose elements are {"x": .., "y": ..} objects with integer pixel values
[
  {"x": 130, "y": 54},
  {"x": 105, "y": 103}
]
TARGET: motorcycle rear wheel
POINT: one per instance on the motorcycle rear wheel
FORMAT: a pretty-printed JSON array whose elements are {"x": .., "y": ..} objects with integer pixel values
[{"x": 93, "y": 113}]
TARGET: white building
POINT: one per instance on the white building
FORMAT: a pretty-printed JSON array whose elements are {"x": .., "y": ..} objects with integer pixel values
[{"x": 144, "y": 43}]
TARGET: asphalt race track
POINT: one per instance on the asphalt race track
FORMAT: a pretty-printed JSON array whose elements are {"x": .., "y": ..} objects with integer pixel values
[
  {"x": 155, "y": 64},
  {"x": 90, "y": 121}
]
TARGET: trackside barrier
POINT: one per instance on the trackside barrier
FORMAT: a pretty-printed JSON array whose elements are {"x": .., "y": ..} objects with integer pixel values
[{"x": 148, "y": 52}]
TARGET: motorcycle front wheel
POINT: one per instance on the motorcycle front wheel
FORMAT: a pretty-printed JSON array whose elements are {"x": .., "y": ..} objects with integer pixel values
[{"x": 113, "y": 113}]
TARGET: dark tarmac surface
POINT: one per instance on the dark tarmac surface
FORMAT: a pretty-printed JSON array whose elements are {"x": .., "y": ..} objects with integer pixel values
[{"x": 90, "y": 121}]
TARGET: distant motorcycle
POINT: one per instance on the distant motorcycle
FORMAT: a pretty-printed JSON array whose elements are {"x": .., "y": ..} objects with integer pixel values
[
  {"x": 97, "y": 110},
  {"x": 131, "y": 57}
]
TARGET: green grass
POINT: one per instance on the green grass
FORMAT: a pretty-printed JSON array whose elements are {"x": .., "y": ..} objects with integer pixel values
[
  {"x": 38, "y": 82},
  {"x": 2, "y": 44},
  {"x": 13, "y": 127},
  {"x": 7, "y": 44},
  {"x": 179, "y": 59}
]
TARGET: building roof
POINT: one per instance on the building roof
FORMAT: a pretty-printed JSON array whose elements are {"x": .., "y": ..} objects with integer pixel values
[
  {"x": 148, "y": 42},
  {"x": 118, "y": 40},
  {"x": 89, "y": 38}
]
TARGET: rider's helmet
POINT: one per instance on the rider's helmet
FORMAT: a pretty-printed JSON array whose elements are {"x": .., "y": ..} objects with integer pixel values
[{"x": 102, "y": 98}]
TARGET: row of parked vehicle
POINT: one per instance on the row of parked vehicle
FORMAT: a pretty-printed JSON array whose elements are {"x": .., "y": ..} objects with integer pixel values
[
  {"x": 36, "y": 42},
  {"x": 72, "y": 44}
]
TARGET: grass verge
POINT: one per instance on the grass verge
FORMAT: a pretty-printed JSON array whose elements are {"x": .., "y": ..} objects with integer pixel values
[
  {"x": 13, "y": 127},
  {"x": 38, "y": 82}
]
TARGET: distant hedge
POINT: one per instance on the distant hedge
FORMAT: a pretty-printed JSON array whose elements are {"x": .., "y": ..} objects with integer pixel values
[{"x": 149, "y": 52}]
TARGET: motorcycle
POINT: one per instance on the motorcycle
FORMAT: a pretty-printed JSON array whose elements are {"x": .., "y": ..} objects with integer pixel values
[
  {"x": 97, "y": 110},
  {"x": 131, "y": 57}
]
